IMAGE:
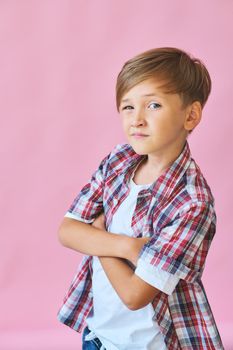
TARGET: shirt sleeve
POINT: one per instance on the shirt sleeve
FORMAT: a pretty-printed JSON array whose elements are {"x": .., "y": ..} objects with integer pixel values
[
  {"x": 180, "y": 248},
  {"x": 88, "y": 204},
  {"x": 158, "y": 278}
]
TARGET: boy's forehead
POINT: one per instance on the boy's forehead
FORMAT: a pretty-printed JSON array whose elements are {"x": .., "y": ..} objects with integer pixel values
[{"x": 144, "y": 89}]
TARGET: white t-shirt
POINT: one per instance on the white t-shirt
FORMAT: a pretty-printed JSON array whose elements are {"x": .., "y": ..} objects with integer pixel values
[{"x": 118, "y": 327}]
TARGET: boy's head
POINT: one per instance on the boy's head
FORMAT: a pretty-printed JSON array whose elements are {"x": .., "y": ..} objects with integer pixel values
[{"x": 178, "y": 78}]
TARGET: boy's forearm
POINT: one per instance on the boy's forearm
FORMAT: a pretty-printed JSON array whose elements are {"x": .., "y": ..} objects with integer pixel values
[
  {"x": 90, "y": 240},
  {"x": 120, "y": 275}
]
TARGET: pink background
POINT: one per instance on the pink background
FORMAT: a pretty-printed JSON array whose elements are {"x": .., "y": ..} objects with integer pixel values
[{"x": 59, "y": 63}]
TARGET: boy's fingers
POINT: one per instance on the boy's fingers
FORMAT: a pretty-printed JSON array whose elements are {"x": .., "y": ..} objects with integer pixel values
[
  {"x": 145, "y": 239},
  {"x": 99, "y": 222}
]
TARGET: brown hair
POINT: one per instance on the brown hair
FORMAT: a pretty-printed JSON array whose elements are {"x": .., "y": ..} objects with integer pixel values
[{"x": 182, "y": 73}]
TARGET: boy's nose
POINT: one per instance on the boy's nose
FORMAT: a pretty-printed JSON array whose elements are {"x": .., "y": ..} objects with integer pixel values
[
  {"x": 138, "y": 122},
  {"x": 138, "y": 118}
]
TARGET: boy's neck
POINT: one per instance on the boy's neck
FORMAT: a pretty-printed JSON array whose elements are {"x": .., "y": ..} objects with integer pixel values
[{"x": 156, "y": 164}]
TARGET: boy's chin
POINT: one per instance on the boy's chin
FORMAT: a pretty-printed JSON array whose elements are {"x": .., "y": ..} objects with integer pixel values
[{"x": 140, "y": 150}]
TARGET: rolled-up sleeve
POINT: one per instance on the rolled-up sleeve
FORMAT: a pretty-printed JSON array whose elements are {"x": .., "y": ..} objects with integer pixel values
[
  {"x": 158, "y": 278},
  {"x": 180, "y": 248},
  {"x": 88, "y": 204}
]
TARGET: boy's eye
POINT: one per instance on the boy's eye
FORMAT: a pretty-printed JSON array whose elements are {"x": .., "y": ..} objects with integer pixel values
[
  {"x": 126, "y": 107},
  {"x": 157, "y": 105}
]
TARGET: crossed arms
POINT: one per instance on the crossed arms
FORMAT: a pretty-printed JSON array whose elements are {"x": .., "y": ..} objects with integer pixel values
[{"x": 113, "y": 250}]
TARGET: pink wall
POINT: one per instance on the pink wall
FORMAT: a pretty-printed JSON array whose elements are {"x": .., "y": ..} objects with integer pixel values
[{"x": 59, "y": 62}]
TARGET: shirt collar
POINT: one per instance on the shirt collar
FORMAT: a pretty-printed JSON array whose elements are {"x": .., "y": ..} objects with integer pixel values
[{"x": 167, "y": 181}]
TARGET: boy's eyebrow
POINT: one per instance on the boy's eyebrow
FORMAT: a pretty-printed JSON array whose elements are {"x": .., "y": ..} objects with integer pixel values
[{"x": 128, "y": 99}]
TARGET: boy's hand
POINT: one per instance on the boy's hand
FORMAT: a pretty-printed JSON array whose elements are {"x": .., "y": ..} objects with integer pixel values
[
  {"x": 99, "y": 222},
  {"x": 134, "y": 245},
  {"x": 137, "y": 245}
]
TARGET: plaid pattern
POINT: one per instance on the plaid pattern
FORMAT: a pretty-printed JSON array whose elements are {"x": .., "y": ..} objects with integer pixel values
[{"x": 177, "y": 211}]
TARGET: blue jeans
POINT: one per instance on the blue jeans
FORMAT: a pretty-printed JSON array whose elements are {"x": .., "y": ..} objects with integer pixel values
[{"x": 93, "y": 344}]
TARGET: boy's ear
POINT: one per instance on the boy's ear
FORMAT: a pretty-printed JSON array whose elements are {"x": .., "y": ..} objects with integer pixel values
[{"x": 193, "y": 116}]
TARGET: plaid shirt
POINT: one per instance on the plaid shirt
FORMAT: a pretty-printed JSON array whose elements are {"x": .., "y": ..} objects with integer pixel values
[{"x": 177, "y": 212}]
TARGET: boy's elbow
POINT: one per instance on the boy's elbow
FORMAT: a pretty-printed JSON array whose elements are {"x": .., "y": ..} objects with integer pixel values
[
  {"x": 65, "y": 231},
  {"x": 142, "y": 293},
  {"x": 61, "y": 235},
  {"x": 131, "y": 307},
  {"x": 62, "y": 231},
  {"x": 136, "y": 304},
  {"x": 131, "y": 301}
]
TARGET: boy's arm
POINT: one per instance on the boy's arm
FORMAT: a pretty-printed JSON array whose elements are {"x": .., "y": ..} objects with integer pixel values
[
  {"x": 132, "y": 290},
  {"x": 88, "y": 239},
  {"x": 191, "y": 233},
  {"x": 93, "y": 239},
  {"x": 112, "y": 249}
]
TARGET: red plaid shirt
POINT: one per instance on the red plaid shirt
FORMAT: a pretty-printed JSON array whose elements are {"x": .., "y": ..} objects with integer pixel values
[{"x": 177, "y": 211}]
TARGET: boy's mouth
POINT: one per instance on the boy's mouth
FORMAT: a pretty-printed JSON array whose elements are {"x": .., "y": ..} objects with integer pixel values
[{"x": 139, "y": 135}]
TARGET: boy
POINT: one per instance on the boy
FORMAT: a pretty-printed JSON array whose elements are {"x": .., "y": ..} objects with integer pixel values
[{"x": 139, "y": 285}]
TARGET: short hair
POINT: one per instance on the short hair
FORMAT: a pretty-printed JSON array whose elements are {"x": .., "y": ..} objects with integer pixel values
[{"x": 182, "y": 73}]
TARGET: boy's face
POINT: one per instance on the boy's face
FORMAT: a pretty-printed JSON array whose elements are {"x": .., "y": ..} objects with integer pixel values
[{"x": 160, "y": 117}]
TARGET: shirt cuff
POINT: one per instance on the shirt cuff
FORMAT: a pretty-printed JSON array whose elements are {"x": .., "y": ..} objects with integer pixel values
[
  {"x": 73, "y": 216},
  {"x": 158, "y": 278}
]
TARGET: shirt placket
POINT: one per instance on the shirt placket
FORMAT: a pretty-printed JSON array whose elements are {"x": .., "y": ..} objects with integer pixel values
[{"x": 139, "y": 223}]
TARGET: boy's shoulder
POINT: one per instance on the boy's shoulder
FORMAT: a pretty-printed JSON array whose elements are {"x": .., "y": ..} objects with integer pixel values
[
  {"x": 193, "y": 181},
  {"x": 122, "y": 156},
  {"x": 122, "y": 148},
  {"x": 196, "y": 184}
]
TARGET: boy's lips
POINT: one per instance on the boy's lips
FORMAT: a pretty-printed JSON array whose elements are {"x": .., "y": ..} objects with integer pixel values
[{"x": 139, "y": 135}]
